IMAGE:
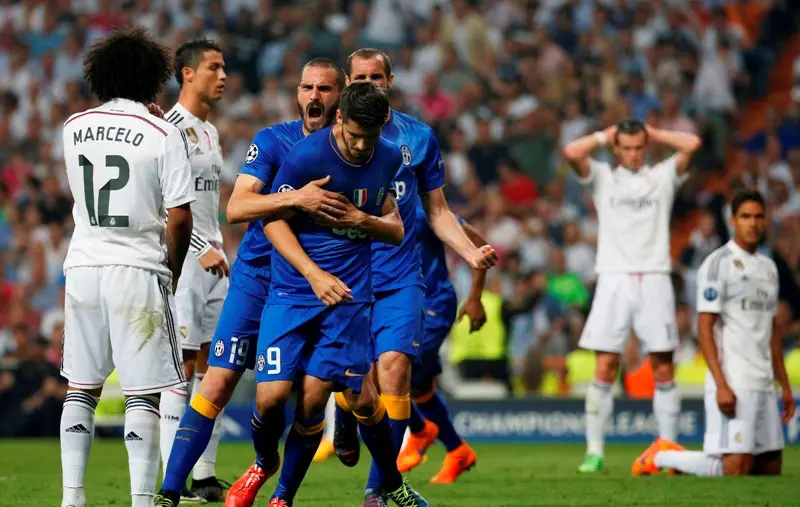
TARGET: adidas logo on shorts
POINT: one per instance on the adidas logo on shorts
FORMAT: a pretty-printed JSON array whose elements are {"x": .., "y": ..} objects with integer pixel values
[
  {"x": 78, "y": 428},
  {"x": 131, "y": 436}
]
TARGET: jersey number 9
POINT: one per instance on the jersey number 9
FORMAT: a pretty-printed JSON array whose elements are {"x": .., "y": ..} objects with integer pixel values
[{"x": 103, "y": 219}]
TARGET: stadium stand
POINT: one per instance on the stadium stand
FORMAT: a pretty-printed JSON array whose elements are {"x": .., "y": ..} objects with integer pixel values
[{"x": 504, "y": 83}]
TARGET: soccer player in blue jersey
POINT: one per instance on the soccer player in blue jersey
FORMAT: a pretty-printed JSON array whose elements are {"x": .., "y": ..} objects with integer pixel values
[
  {"x": 315, "y": 328},
  {"x": 429, "y": 415},
  {"x": 397, "y": 327},
  {"x": 234, "y": 341}
]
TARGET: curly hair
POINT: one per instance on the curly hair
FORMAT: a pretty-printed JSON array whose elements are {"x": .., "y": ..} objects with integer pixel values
[{"x": 128, "y": 64}]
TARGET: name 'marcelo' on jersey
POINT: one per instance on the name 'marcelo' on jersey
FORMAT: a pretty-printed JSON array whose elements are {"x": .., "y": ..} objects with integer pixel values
[
  {"x": 633, "y": 211},
  {"x": 344, "y": 253},
  {"x": 264, "y": 157},
  {"x": 205, "y": 156},
  {"x": 742, "y": 288},
  {"x": 125, "y": 168},
  {"x": 421, "y": 171}
]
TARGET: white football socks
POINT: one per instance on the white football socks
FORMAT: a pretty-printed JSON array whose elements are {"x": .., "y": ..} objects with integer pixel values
[
  {"x": 690, "y": 462},
  {"x": 77, "y": 434},
  {"x": 142, "y": 422},
  {"x": 599, "y": 407},
  {"x": 173, "y": 406},
  {"x": 667, "y": 409}
]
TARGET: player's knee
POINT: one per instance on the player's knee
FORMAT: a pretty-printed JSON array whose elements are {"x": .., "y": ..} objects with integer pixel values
[
  {"x": 272, "y": 396},
  {"x": 663, "y": 367},
  {"x": 768, "y": 463},
  {"x": 737, "y": 465},
  {"x": 606, "y": 366},
  {"x": 394, "y": 373},
  {"x": 218, "y": 385}
]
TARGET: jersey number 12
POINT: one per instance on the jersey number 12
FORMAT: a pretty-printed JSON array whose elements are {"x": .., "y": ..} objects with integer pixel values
[{"x": 103, "y": 219}]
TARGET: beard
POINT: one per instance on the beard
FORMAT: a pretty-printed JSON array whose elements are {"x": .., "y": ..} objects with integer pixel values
[{"x": 319, "y": 110}]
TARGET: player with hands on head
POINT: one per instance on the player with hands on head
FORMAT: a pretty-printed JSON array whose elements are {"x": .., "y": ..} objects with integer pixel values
[
  {"x": 634, "y": 289},
  {"x": 737, "y": 300},
  {"x": 131, "y": 180}
]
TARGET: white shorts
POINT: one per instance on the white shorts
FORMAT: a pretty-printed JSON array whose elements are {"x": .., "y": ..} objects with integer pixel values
[
  {"x": 120, "y": 317},
  {"x": 625, "y": 301},
  {"x": 756, "y": 429},
  {"x": 199, "y": 301}
]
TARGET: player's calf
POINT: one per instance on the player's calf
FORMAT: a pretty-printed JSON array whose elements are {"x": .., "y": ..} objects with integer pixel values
[
  {"x": 737, "y": 464},
  {"x": 666, "y": 400},
  {"x": 768, "y": 463}
]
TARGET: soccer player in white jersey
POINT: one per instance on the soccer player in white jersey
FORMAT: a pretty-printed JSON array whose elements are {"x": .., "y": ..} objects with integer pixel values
[
  {"x": 634, "y": 290},
  {"x": 128, "y": 172},
  {"x": 200, "y": 70},
  {"x": 737, "y": 298}
]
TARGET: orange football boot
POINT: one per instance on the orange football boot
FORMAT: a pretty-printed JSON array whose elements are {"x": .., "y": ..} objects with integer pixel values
[
  {"x": 457, "y": 461},
  {"x": 417, "y": 445},
  {"x": 243, "y": 493},
  {"x": 277, "y": 502},
  {"x": 645, "y": 464}
]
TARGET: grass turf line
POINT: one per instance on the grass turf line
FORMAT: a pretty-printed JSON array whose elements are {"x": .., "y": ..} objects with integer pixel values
[{"x": 505, "y": 476}]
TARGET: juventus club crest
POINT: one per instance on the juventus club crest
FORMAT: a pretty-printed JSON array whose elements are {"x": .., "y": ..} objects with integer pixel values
[
  {"x": 406, "y": 155},
  {"x": 359, "y": 197}
]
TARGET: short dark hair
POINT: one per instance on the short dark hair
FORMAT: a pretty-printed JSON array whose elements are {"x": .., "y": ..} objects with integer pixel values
[
  {"x": 630, "y": 127},
  {"x": 746, "y": 195},
  {"x": 190, "y": 54},
  {"x": 370, "y": 53},
  {"x": 364, "y": 103},
  {"x": 128, "y": 64},
  {"x": 327, "y": 63}
]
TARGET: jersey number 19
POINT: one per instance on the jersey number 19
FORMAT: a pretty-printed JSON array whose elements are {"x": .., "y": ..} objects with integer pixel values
[{"x": 103, "y": 219}]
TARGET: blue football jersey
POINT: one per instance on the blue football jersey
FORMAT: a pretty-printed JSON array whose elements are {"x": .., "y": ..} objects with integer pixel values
[
  {"x": 438, "y": 287},
  {"x": 264, "y": 157},
  {"x": 421, "y": 170},
  {"x": 344, "y": 253}
]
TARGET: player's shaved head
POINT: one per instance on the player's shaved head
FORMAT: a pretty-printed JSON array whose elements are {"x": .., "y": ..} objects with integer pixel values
[
  {"x": 327, "y": 63},
  {"x": 190, "y": 54},
  {"x": 128, "y": 64}
]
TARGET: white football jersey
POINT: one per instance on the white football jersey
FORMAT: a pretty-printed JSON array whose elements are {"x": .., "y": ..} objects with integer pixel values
[
  {"x": 205, "y": 157},
  {"x": 125, "y": 168},
  {"x": 742, "y": 288},
  {"x": 633, "y": 211}
]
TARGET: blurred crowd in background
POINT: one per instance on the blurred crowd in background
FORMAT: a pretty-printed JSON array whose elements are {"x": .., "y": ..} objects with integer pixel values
[{"x": 504, "y": 83}]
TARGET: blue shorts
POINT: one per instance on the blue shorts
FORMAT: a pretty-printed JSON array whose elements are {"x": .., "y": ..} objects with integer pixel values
[
  {"x": 438, "y": 323},
  {"x": 234, "y": 343},
  {"x": 330, "y": 343},
  {"x": 397, "y": 317}
]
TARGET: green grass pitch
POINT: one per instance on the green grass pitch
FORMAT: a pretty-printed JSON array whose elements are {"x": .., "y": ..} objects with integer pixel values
[{"x": 510, "y": 475}]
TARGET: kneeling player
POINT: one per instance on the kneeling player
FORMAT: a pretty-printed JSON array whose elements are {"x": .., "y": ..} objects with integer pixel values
[
  {"x": 315, "y": 327},
  {"x": 737, "y": 299},
  {"x": 429, "y": 415}
]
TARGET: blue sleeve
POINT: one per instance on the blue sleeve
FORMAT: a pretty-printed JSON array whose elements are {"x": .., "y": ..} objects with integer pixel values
[
  {"x": 260, "y": 160},
  {"x": 288, "y": 177},
  {"x": 430, "y": 175}
]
